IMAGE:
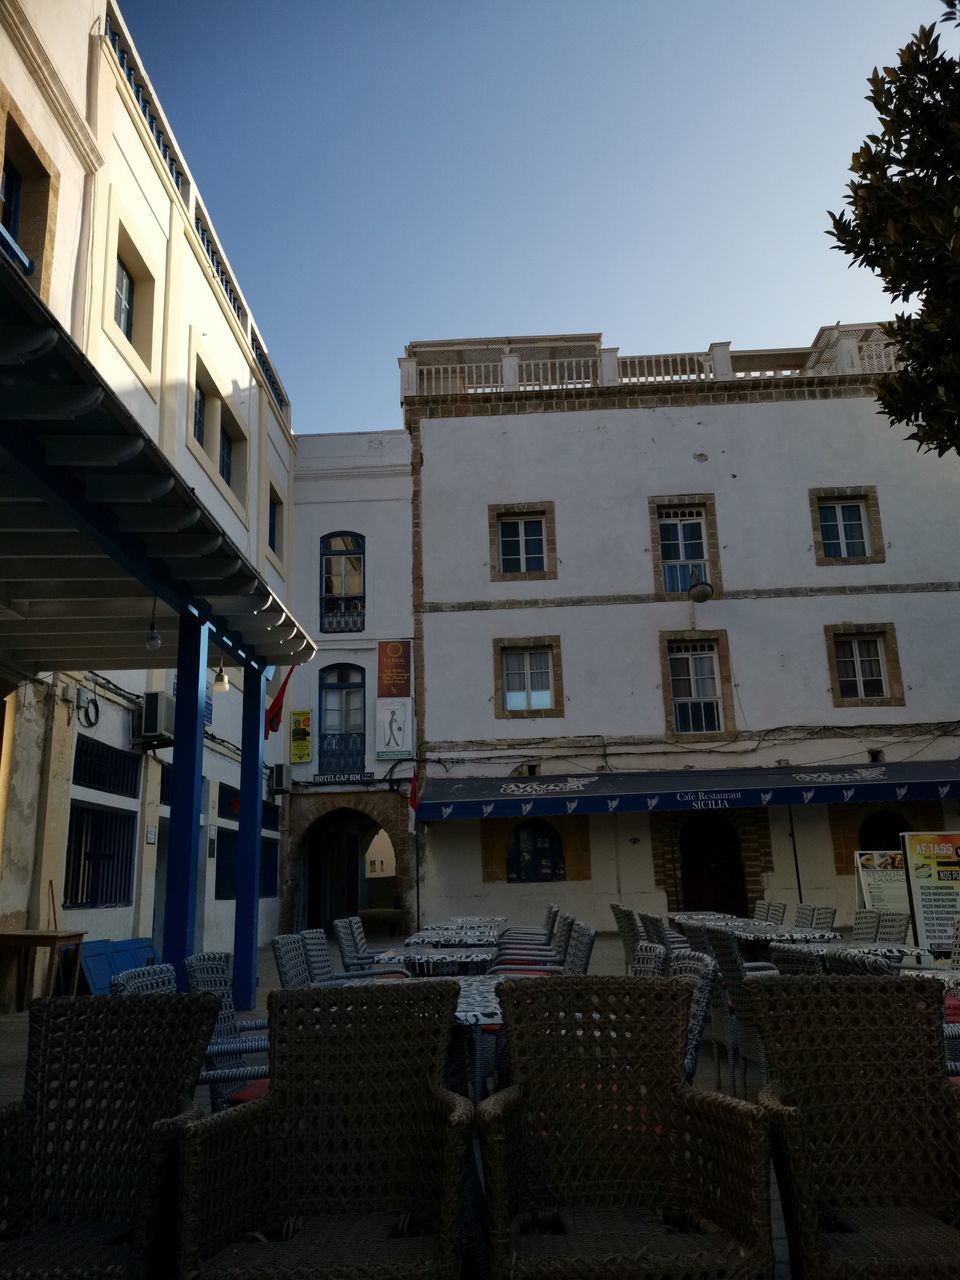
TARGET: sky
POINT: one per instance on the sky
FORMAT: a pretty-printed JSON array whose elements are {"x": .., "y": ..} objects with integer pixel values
[{"x": 386, "y": 171}]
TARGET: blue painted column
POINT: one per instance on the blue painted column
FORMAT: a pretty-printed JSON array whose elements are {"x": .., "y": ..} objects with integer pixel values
[
  {"x": 183, "y": 845},
  {"x": 247, "y": 914}
]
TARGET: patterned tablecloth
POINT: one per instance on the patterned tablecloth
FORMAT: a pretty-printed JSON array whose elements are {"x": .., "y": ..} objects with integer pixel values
[
  {"x": 456, "y": 935},
  {"x": 439, "y": 963},
  {"x": 756, "y": 932},
  {"x": 478, "y": 1003}
]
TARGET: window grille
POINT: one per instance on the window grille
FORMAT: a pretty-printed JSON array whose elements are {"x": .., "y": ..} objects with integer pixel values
[
  {"x": 694, "y": 688},
  {"x": 228, "y": 802},
  {"x": 342, "y": 598},
  {"x": 842, "y": 530},
  {"x": 101, "y": 848},
  {"x": 104, "y": 768},
  {"x": 682, "y": 548},
  {"x": 521, "y": 546}
]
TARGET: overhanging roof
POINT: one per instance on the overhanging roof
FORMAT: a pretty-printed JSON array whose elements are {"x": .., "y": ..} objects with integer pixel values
[
  {"x": 95, "y": 523},
  {"x": 468, "y": 798}
]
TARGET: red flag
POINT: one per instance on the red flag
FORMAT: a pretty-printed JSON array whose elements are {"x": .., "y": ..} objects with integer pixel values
[
  {"x": 271, "y": 721},
  {"x": 414, "y": 802}
]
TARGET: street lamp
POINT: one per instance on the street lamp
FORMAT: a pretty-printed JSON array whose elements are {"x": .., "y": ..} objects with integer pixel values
[{"x": 699, "y": 591}]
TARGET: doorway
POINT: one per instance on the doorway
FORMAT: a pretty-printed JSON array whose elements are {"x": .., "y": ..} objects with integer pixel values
[
  {"x": 711, "y": 869},
  {"x": 347, "y": 868},
  {"x": 880, "y": 832}
]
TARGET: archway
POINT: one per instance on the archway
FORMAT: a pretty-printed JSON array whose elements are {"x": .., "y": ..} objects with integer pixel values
[
  {"x": 711, "y": 870},
  {"x": 880, "y": 831},
  {"x": 348, "y": 866}
]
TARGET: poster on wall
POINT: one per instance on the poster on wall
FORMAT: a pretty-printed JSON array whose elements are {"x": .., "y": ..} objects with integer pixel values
[
  {"x": 933, "y": 877},
  {"x": 301, "y": 737},
  {"x": 393, "y": 669},
  {"x": 883, "y": 881},
  {"x": 394, "y": 728}
]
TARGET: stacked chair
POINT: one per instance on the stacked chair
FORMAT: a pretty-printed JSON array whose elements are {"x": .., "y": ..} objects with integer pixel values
[
  {"x": 532, "y": 955},
  {"x": 803, "y": 915},
  {"x": 576, "y": 957},
  {"x": 866, "y": 1191},
  {"x": 649, "y": 960},
  {"x": 776, "y": 911},
  {"x": 660, "y": 933},
  {"x": 738, "y": 982},
  {"x": 580, "y": 1153},
  {"x": 346, "y": 1169},
  {"x": 761, "y": 909},
  {"x": 85, "y": 1183},
  {"x": 793, "y": 957},
  {"x": 865, "y": 926},
  {"x": 316, "y": 952},
  {"x": 534, "y": 936},
  {"x": 352, "y": 942},
  {"x": 232, "y": 1040},
  {"x": 703, "y": 974},
  {"x": 823, "y": 917},
  {"x": 893, "y": 926}
]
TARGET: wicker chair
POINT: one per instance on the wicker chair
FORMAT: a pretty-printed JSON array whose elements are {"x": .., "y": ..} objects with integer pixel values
[
  {"x": 87, "y": 1154},
  {"x": 738, "y": 984},
  {"x": 576, "y": 960},
  {"x": 538, "y": 937},
  {"x": 776, "y": 911},
  {"x": 555, "y": 954},
  {"x": 846, "y": 961},
  {"x": 290, "y": 957},
  {"x": 346, "y": 1169},
  {"x": 580, "y": 1152},
  {"x": 823, "y": 917},
  {"x": 226, "y": 1067},
  {"x": 865, "y": 925},
  {"x": 793, "y": 957},
  {"x": 660, "y": 933},
  {"x": 761, "y": 909},
  {"x": 803, "y": 915},
  {"x": 316, "y": 953},
  {"x": 955, "y": 946},
  {"x": 629, "y": 930},
  {"x": 704, "y": 973},
  {"x": 147, "y": 981},
  {"x": 649, "y": 961},
  {"x": 864, "y": 1194},
  {"x": 893, "y": 926},
  {"x": 352, "y": 942}
]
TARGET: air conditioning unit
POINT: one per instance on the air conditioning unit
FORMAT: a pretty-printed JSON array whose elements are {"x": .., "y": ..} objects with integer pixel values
[
  {"x": 279, "y": 778},
  {"x": 156, "y": 726}
]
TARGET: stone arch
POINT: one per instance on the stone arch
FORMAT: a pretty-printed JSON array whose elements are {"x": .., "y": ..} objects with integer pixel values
[
  {"x": 388, "y": 809},
  {"x": 756, "y": 851}
]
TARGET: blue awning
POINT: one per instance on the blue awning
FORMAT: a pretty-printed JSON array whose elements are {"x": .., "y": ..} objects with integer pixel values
[{"x": 655, "y": 792}]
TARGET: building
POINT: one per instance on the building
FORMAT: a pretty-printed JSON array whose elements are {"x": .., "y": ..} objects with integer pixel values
[
  {"x": 146, "y": 456},
  {"x": 350, "y": 735},
  {"x": 681, "y": 624}
]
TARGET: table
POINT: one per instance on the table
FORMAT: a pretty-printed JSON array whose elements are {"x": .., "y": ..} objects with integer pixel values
[
  {"x": 27, "y": 942},
  {"x": 439, "y": 962},
  {"x": 457, "y": 935}
]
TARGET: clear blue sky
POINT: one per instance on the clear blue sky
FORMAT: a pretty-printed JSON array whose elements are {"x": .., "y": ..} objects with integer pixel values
[{"x": 381, "y": 171}]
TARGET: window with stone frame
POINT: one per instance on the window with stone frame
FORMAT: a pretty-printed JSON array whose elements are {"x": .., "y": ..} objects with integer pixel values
[
  {"x": 846, "y": 526},
  {"x": 29, "y": 188},
  {"x": 528, "y": 679},
  {"x": 864, "y": 665},
  {"x": 684, "y": 544},
  {"x": 523, "y": 542},
  {"x": 697, "y": 685}
]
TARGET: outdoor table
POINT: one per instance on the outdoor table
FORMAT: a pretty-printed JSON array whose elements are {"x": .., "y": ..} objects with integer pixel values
[
  {"x": 27, "y": 942},
  {"x": 759, "y": 933},
  {"x": 456, "y": 936},
  {"x": 436, "y": 962}
]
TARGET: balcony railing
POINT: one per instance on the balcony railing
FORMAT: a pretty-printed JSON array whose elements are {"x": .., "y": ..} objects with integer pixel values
[
  {"x": 342, "y": 613},
  {"x": 551, "y": 375},
  {"x": 341, "y": 753},
  {"x": 685, "y": 366}
]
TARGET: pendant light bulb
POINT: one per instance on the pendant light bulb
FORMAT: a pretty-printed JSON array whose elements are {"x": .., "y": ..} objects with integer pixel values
[
  {"x": 221, "y": 681},
  {"x": 152, "y": 640}
]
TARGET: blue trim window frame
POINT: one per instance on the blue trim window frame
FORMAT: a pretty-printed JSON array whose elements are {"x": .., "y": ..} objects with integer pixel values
[
  {"x": 225, "y": 461},
  {"x": 342, "y": 578},
  {"x": 522, "y": 545},
  {"x": 123, "y": 302},
  {"x": 199, "y": 414},
  {"x": 842, "y": 528},
  {"x": 695, "y": 687},
  {"x": 11, "y": 187},
  {"x": 682, "y": 548},
  {"x": 535, "y": 853},
  {"x": 273, "y": 519},
  {"x": 342, "y": 743}
]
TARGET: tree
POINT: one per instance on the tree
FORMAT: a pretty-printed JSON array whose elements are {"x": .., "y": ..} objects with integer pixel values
[{"x": 903, "y": 222}]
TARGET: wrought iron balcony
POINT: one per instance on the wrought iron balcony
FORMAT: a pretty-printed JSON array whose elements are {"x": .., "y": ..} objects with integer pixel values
[
  {"x": 341, "y": 753},
  {"x": 342, "y": 613}
]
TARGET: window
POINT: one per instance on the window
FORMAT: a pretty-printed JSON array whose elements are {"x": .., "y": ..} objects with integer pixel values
[
  {"x": 225, "y": 464},
  {"x": 535, "y": 852},
  {"x": 232, "y": 452},
  {"x": 101, "y": 847},
  {"x": 342, "y": 582},
  {"x": 199, "y": 414},
  {"x": 846, "y": 526},
  {"x": 527, "y": 677},
  {"x": 123, "y": 302},
  {"x": 864, "y": 665},
  {"x": 694, "y": 688},
  {"x": 696, "y": 681},
  {"x": 684, "y": 544},
  {"x": 29, "y": 189},
  {"x": 11, "y": 185},
  {"x": 342, "y": 746},
  {"x": 225, "y": 882},
  {"x": 104, "y": 768},
  {"x": 275, "y": 523},
  {"x": 522, "y": 541}
]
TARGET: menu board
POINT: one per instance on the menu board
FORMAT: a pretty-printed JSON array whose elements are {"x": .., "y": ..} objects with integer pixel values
[
  {"x": 933, "y": 872},
  {"x": 883, "y": 881}
]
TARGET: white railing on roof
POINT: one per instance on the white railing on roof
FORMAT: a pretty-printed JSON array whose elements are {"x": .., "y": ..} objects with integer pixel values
[
  {"x": 877, "y": 355},
  {"x": 459, "y": 379},
  {"x": 549, "y": 375},
  {"x": 683, "y": 366}
]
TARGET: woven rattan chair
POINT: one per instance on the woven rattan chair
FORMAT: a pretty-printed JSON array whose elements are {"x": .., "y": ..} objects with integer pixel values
[
  {"x": 823, "y": 917},
  {"x": 893, "y": 926},
  {"x": 865, "y": 925},
  {"x": 85, "y": 1157},
  {"x": 227, "y": 1068},
  {"x": 146, "y": 981},
  {"x": 656, "y": 931},
  {"x": 803, "y": 915},
  {"x": 737, "y": 983},
  {"x": 580, "y": 1153},
  {"x": 347, "y": 1169},
  {"x": 865, "y": 1194},
  {"x": 955, "y": 946},
  {"x": 761, "y": 909},
  {"x": 720, "y": 1029},
  {"x": 649, "y": 961},
  {"x": 316, "y": 953},
  {"x": 537, "y": 936},
  {"x": 703, "y": 973},
  {"x": 846, "y": 961},
  {"x": 629, "y": 930},
  {"x": 576, "y": 960},
  {"x": 792, "y": 957},
  {"x": 555, "y": 954},
  {"x": 290, "y": 957},
  {"x": 776, "y": 912}
]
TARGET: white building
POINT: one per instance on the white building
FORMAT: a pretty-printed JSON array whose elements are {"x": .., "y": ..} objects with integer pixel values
[{"x": 565, "y": 498}]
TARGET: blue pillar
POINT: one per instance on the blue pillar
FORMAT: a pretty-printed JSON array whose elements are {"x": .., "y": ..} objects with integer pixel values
[
  {"x": 247, "y": 914},
  {"x": 183, "y": 845}
]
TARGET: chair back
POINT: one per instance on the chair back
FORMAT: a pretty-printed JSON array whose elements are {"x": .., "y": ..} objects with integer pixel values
[
  {"x": 360, "y": 940},
  {"x": 761, "y": 909},
  {"x": 776, "y": 911},
  {"x": 561, "y": 936},
  {"x": 793, "y": 957},
  {"x": 655, "y": 930},
  {"x": 108, "y": 1070},
  {"x": 317, "y": 955},
  {"x": 703, "y": 973},
  {"x": 550, "y": 921},
  {"x": 580, "y": 948},
  {"x": 210, "y": 971},
  {"x": 649, "y": 961},
  {"x": 827, "y": 1040},
  {"x": 150, "y": 980},
  {"x": 865, "y": 925},
  {"x": 347, "y": 943},
  {"x": 846, "y": 961},
  {"x": 376, "y": 1129},
  {"x": 291, "y": 960},
  {"x": 803, "y": 915},
  {"x": 893, "y": 926},
  {"x": 823, "y": 917},
  {"x": 598, "y": 1061},
  {"x": 629, "y": 929},
  {"x": 696, "y": 935}
]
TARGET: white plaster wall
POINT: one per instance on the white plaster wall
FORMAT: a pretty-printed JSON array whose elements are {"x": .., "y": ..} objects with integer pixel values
[{"x": 63, "y": 28}]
